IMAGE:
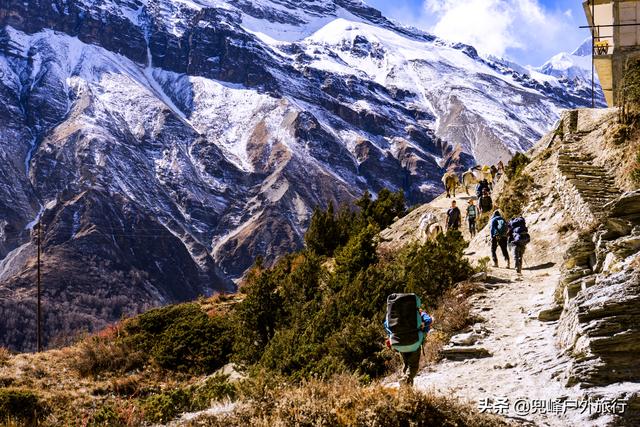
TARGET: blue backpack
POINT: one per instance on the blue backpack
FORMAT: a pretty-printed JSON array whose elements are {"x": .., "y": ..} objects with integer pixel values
[
  {"x": 501, "y": 227},
  {"x": 520, "y": 231}
]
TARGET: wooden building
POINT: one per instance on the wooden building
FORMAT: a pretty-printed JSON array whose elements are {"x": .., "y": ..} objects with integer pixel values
[{"x": 616, "y": 35}]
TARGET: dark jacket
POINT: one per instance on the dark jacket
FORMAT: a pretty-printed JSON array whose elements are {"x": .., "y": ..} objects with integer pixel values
[
  {"x": 453, "y": 217},
  {"x": 485, "y": 204},
  {"x": 481, "y": 186}
]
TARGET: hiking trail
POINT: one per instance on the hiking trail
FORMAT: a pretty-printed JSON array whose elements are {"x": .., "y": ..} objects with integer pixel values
[{"x": 509, "y": 352}]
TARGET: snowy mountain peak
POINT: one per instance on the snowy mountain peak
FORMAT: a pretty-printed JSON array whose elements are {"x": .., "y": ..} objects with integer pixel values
[
  {"x": 574, "y": 66},
  {"x": 584, "y": 49}
]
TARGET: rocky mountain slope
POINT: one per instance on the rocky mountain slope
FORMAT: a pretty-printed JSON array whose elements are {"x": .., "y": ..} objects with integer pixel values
[
  {"x": 164, "y": 145},
  {"x": 567, "y": 330}
]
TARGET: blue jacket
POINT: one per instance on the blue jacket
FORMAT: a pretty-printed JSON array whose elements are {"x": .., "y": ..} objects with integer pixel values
[
  {"x": 494, "y": 223},
  {"x": 426, "y": 325}
]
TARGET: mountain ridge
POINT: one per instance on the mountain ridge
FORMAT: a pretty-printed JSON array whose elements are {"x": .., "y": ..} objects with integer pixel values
[{"x": 224, "y": 140}]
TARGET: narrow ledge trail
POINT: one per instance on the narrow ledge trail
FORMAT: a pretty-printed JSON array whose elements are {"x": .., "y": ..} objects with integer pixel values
[{"x": 525, "y": 363}]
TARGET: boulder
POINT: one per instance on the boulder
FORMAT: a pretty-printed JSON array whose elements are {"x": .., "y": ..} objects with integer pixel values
[
  {"x": 467, "y": 339},
  {"x": 550, "y": 314},
  {"x": 463, "y": 353},
  {"x": 230, "y": 370},
  {"x": 627, "y": 205}
]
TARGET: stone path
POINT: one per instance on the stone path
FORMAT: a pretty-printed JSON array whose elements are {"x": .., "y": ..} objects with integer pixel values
[{"x": 594, "y": 185}]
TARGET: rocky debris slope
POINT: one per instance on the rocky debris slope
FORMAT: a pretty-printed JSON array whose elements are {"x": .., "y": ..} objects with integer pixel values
[{"x": 220, "y": 125}]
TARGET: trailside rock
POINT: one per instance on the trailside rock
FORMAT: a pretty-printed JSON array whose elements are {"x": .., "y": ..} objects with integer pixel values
[
  {"x": 628, "y": 205},
  {"x": 550, "y": 314},
  {"x": 464, "y": 352}
]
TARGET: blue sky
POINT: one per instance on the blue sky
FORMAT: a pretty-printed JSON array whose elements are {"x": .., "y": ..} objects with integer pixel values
[{"x": 527, "y": 31}]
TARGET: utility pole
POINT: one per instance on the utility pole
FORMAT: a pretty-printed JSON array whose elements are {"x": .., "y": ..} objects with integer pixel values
[{"x": 39, "y": 290}]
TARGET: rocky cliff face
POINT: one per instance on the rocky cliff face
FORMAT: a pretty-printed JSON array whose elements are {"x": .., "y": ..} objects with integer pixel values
[{"x": 163, "y": 145}]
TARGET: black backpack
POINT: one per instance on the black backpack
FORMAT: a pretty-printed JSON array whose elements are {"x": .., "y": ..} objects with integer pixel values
[
  {"x": 486, "y": 204},
  {"x": 403, "y": 319}
]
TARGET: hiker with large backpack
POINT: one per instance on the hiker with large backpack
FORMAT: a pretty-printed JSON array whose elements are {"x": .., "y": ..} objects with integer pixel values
[
  {"x": 499, "y": 237},
  {"x": 453, "y": 217},
  {"x": 406, "y": 325},
  {"x": 472, "y": 214},
  {"x": 518, "y": 238},
  {"x": 485, "y": 203}
]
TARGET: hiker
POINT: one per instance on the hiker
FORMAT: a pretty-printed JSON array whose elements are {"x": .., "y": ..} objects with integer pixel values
[
  {"x": 453, "y": 217},
  {"x": 499, "y": 235},
  {"x": 482, "y": 185},
  {"x": 406, "y": 325},
  {"x": 518, "y": 239},
  {"x": 485, "y": 203},
  {"x": 472, "y": 214}
]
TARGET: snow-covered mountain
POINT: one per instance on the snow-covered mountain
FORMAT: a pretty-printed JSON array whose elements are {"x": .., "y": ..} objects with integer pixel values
[
  {"x": 571, "y": 72},
  {"x": 164, "y": 144},
  {"x": 575, "y": 65}
]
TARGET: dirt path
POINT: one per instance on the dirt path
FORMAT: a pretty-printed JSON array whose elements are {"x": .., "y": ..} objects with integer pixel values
[{"x": 524, "y": 362}]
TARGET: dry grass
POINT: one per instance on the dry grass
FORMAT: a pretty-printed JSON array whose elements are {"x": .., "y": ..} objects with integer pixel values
[
  {"x": 452, "y": 315},
  {"x": 98, "y": 354},
  {"x": 344, "y": 402},
  {"x": 5, "y": 355}
]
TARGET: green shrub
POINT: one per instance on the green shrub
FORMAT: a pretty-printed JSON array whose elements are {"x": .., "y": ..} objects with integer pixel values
[
  {"x": 483, "y": 264},
  {"x": 515, "y": 196},
  {"x": 215, "y": 388},
  {"x": 106, "y": 416},
  {"x": 328, "y": 231},
  {"x": 22, "y": 406},
  {"x": 324, "y": 234},
  {"x": 384, "y": 209},
  {"x": 261, "y": 308},
  {"x": 516, "y": 165},
  {"x": 436, "y": 266},
  {"x": 303, "y": 320},
  {"x": 182, "y": 338},
  {"x": 164, "y": 407},
  {"x": 358, "y": 254}
]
